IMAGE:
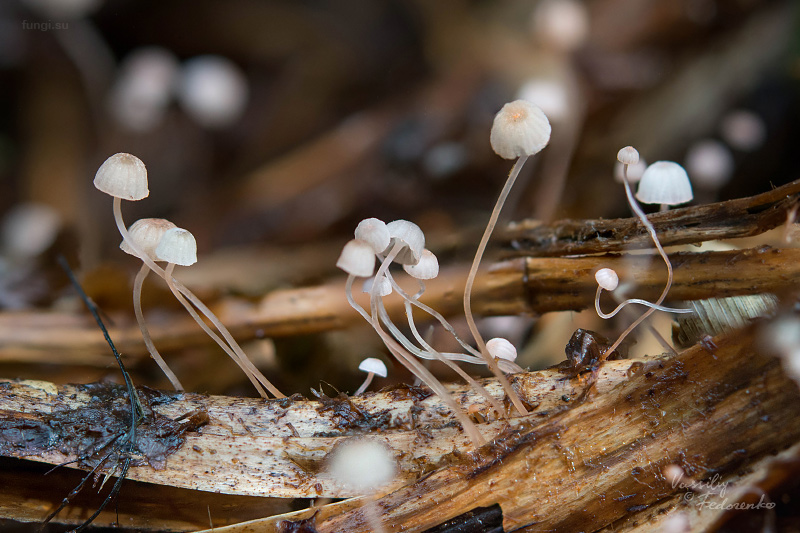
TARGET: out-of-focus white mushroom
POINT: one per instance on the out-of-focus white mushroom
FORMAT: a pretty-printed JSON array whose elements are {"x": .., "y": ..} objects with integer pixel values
[
  {"x": 213, "y": 91},
  {"x": 143, "y": 88}
]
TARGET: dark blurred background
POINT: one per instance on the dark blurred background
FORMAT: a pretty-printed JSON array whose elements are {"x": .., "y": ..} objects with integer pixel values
[{"x": 270, "y": 128}]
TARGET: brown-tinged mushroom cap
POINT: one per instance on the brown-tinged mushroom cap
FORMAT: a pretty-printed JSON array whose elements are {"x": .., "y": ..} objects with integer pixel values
[
  {"x": 147, "y": 233},
  {"x": 122, "y": 176},
  {"x": 520, "y": 128}
]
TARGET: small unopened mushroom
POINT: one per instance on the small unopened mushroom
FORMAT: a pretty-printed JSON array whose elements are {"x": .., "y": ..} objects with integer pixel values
[
  {"x": 371, "y": 366},
  {"x": 502, "y": 348},
  {"x": 519, "y": 130},
  {"x": 607, "y": 279},
  {"x": 665, "y": 183}
]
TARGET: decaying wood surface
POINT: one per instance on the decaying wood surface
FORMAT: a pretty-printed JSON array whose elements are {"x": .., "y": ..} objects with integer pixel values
[
  {"x": 277, "y": 448},
  {"x": 523, "y": 285},
  {"x": 709, "y": 410},
  {"x": 742, "y": 217}
]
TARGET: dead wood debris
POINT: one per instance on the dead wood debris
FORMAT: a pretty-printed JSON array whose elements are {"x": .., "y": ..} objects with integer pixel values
[
  {"x": 604, "y": 454},
  {"x": 742, "y": 217}
]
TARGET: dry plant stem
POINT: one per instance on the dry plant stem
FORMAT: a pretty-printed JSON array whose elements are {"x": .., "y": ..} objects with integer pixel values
[
  {"x": 473, "y": 271},
  {"x": 148, "y": 341},
  {"x": 252, "y": 375},
  {"x": 410, "y": 362},
  {"x": 742, "y": 217},
  {"x": 117, "y": 208},
  {"x": 639, "y": 213}
]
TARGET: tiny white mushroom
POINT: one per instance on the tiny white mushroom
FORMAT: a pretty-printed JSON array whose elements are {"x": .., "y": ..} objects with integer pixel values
[
  {"x": 665, "y": 183},
  {"x": 410, "y": 239},
  {"x": 520, "y": 129},
  {"x": 607, "y": 278},
  {"x": 371, "y": 366},
  {"x": 123, "y": 176},
  {"x": 501, "y": 348},
  {"x": 357, "y": 258},
  {"x": 374, "y": 232},
  {"x": 147, "y": 233},
  {"x": 426, "y": 268},
  {"x": 178, "y": 247},
  {"x": 385, "y": 288},
  {"x": 628, "y": 155}
]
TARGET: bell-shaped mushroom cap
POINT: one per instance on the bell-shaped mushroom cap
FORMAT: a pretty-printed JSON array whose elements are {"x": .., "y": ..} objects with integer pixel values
[
  {"x": 373, "y": 365},
  {"x": 502, "y": 348},
  {"x": 520, "y": 128},
  {"x": 357, "y": 258},
  {"x": 410, "y": 237},
  {"x": 607, "y": 278},
  {"x": 384, "y": 286},
  {"x": 427, "y": 268},
  {"x": 122, "y": 176},
  {"x": 666, "y": 183},
  {"x": 374, "y": 232},
  {"x": 146, "y": 234},
  {"x": 177, "y": 246},
  {"x": 628, "y": 156}
]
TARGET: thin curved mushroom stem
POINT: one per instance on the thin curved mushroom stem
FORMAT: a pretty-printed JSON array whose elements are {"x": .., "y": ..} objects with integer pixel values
[
  {"x": 414, "y": 300},
  {"x": 411, "y": 363},
  {"x": 427, "y": 352},
  {"x": 473, "y": 272},
  {"x": 148, "y": 341},
  {"x": 473, "y": 356},
  {"x": 360, "y": 390},
  {"x": 633, "y": 301},
  {"x": 651, "y": 230},
  {"x": 255, "y": 376},
  {"x": 450, "y": 364},
  {"x": 117, "y": 208}
]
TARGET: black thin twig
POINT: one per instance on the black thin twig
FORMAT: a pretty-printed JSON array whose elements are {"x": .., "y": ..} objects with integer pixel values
[{"x": 137, "y": 412}]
